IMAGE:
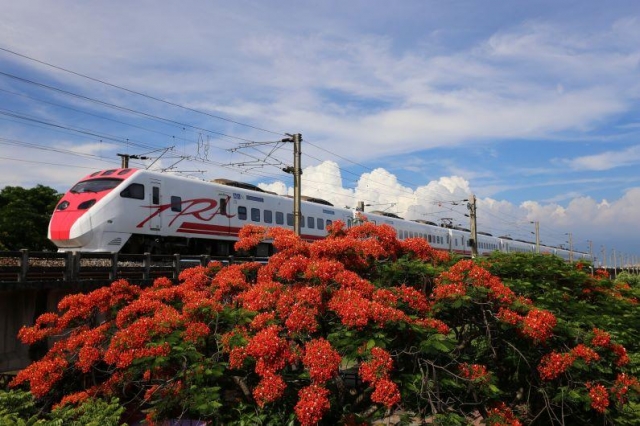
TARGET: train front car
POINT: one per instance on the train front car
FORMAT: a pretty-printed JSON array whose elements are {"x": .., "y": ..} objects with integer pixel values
[{"x": 80, "y": 221}]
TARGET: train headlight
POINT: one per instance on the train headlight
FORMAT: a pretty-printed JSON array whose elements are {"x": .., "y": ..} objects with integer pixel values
[
  {"x": 63, "y": 205},
  {"x": 86, "y": 204}
]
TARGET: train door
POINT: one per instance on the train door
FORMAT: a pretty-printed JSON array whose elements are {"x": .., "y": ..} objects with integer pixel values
[
  {"x": 155, "y": 223},
  {"x": 224, "y": 212}
]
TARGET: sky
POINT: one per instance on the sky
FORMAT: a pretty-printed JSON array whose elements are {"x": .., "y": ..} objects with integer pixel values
[{"x": 411, "y": 106}]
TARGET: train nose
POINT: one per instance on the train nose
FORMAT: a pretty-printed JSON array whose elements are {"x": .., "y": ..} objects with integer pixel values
[{"x": 70, "y": 228}]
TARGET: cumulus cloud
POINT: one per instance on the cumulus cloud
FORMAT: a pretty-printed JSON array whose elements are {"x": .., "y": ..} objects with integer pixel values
[{"x": 585, "y": 218}]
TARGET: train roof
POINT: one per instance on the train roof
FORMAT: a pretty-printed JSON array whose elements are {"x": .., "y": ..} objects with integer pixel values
[
  {"x": 111, "y": 173},
  {"x": 387, "y": 214},
  {"x": 313, "y": 200},
  {"x": 236, "y": 184},
  {"x": 424, "y": 222},
  {"x": 316, "y": 200}
]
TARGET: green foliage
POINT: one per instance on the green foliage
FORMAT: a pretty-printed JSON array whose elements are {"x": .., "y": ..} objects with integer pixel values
[
  {"x": 24, "y": 217},
  {"x": 577, "y": 297},
  {"x": 92, "y": 412},
  {"x": 18, "y": 408},
  {"x": 627, "y": 277}
]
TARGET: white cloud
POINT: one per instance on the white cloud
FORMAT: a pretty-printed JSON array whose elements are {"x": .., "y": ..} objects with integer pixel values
[
  {"x": 353, "y": 87},
  {"x": 606, "y": 160},
  {"x": 584, "y": 217}
]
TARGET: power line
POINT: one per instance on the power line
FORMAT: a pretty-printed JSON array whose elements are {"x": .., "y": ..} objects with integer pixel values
[
  {"x": 410, "y": 193},
  {"x": 139, "y": 93}
]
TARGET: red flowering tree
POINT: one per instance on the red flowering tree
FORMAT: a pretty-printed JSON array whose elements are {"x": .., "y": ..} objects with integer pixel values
[{"x": 344, "y": 330}]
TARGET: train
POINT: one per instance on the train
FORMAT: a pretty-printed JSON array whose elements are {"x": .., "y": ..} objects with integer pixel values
[{"x": 129, "y": 210}]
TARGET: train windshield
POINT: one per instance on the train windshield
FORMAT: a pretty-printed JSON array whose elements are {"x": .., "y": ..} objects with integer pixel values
[{"x": 95, "y": 185}]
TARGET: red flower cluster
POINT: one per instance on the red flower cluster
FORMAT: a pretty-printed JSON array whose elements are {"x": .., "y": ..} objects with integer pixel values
[
  {"x": 469, "y": 274},
  {"x": 501, "y": 415},
  {"x": 386, "y": 393},
  {"x": 599, "y": 397},
  {"x": 270, "y": 388},
  {"x": 538, "y": 324},
  {"x": 312, "y": 405},
  {"x": 509, "y": 316},
  {"x": 376, "y": 372},
  {"x": 419, "y": 248},
  {"x": 554, "y": 364},
  {"x": 602, "y": 339},
  {"x": 586, "y": 353},
  {"x": 622, "y": 385},
  {"x": 475, "y": 372},
  {"x": 378, "y": 367},
  {"x": 321, "y": 360}
]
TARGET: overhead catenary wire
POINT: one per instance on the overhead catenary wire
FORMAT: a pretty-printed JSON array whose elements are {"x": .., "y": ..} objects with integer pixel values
[
  {"x": 137, "y": 92},
  {"x": 172, "y": 104},
  {"x": 410, "y": 194},
  {"x": 142, "y": 113}
]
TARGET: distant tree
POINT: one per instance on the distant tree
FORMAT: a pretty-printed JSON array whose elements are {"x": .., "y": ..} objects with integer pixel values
[{"x": 24, "y": 217}]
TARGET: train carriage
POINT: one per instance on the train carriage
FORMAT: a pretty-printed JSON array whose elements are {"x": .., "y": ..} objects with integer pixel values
[
  {"x": 138, "y": 210},
  {"x": 135, "y": 211}
]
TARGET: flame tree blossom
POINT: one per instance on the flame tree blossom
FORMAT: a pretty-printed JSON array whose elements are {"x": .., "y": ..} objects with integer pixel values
[{"x": 359, "y": 323}]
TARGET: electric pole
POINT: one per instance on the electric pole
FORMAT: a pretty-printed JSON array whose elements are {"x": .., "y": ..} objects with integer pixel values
[
  {"x": 126, "y": 157},
  {"x": 471, "y": 205},
  {"x": 537, "y": 224},
  {"x": 297, "y": 174}
]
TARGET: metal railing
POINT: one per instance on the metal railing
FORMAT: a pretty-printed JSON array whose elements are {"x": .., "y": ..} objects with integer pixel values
[{"x": 30, "y": 267}]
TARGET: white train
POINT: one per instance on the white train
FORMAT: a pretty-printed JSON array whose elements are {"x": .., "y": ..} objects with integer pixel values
[{"x": 135, "y": 211}]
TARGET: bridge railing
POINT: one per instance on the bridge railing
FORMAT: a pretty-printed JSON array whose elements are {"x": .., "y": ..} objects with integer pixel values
[{"x": 30, "y": 267}]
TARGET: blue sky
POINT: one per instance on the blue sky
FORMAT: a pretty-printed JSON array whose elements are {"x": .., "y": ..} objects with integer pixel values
[{"x": 533, "y": 106}]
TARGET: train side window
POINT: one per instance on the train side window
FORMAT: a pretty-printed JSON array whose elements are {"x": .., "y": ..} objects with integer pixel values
[
  {"x": 255, "y": 214},
  {"x": 279, "y": 218},
  {"x": 155, "y": 195},
  {"x": 320, "y": 223},
  {"x": 301, "y": 221},
  {"x": 268, "y": 216},
  {"x": 135, "y": 191},
  {"x": 242, "y": 213},
  {"x": 329, "y": 222},
  {"x": 223, "y": 207},
  {"x": 176, "y": 204},
  {"x": 290, "y": 219},
  {"x": 311, "y": 222}
]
